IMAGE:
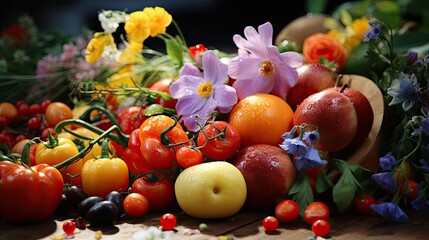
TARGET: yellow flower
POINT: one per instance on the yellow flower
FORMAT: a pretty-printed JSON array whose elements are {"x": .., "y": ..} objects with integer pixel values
[
  {"x": 96, "y": 46},
  {"x": 159, "y": 19},
  {"x": 137, "y": 26}
]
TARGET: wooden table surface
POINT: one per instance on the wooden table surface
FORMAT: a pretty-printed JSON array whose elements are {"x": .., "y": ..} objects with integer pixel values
[{"x": 245, "y": 225}]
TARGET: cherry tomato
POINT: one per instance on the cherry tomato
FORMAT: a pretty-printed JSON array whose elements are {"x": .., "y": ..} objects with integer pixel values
[
  {"x": 8, "y": 112},
  {"x": 163, "y": 85},
  {"x": 57, "y": 112},
  {"x": 168, "y": 221},
  {"x": 363, "y": 203},
  {"x": 270, "y": 223},
  {"x": 154, "y": 147},
  {"x": 321, "y": 227},
  {"x": 68, "y": 227},
  {"x": 35, "y": 108},
  {"x": 409, "y": 190},
  {"x": 34, "y": 123},
  {"x": 315, "y": 211},
  {"x": 219, "y": 140},
  {"x": 158, "y": 190},
  {"x": 136, "y": 205},
  {"x": 44, "y": 104},
  {"x": 23, "y": 109},
  {"x": 187, "y": 157},
  {"x": 131, "y": 118},
  {"x": 287, "y": 210}
]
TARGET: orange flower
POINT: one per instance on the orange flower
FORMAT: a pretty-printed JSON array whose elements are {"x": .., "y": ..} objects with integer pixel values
[{"x": 321, "y": 45}]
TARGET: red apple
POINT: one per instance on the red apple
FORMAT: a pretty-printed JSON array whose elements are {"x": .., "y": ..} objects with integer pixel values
[
  {"x": 312, "y": 78},
  {"x": 334, "y": 116},
  {"x": 365, "y": 116},
  {"x": 269, "y": 174}
]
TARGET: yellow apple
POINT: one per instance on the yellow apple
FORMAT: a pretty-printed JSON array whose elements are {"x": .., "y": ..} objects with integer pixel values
[{"x": 211, "y": 190}]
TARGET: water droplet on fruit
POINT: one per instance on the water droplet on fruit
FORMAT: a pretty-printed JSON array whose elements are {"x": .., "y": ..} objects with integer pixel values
[{"x": 310, "y": 106}]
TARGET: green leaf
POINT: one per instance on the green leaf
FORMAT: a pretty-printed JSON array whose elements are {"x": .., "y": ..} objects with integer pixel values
[
  {"x": 301, "y": 191},
  {"x": 344, "y": 190},
  {"x": 174, "y": 49},
  {"x": 323, "y": 182},
  {"x": 346, "y": 18}
]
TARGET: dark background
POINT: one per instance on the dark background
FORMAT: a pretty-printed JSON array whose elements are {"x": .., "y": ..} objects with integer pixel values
[{"x": 211, "y": 22}]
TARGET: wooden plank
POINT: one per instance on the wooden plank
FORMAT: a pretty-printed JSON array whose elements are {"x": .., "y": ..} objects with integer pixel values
[{"x": 245, "y": 225}]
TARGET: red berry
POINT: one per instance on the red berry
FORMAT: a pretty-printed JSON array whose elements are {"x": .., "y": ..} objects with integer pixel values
[
  {"x": 167, "y": 221},
  {"x": 69, "y": 226},
  {"x": 321, "y": 227},
  {"x": 270, "y": 223}
]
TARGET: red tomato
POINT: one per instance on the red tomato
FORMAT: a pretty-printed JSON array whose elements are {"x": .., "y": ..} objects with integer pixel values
[
  {"x": 57, "y": 112},
  {"x": 131, "y": 118},
  {"x": 29, "y": 194},
  {"x": 187, "y": 157},
  {"x": 8, "y": 113},
  {"x": 159, "y": 192},
  {"x": 287, "y": 210},
  {"x": 163, "y": 85},
  {"x": 362, "y": 204},
  {"x": 133, "y": 156},
  {"x": 155, "y": 146},
  {"x": 409, "y": 190},
  {"x": 321, "y": 227},
  {"x": 270, "y": 223},
  {"x": 168, "y": 221},
  {"x": 136, "y": 205},
  {"x": 315, "y": 211},
  {"x": 219, "y": 140}
]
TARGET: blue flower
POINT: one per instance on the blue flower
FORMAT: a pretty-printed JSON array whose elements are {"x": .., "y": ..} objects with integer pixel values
[
  {"x": 385, "y": 180},
  {"x": 198, "y": 96},
  {"x": 311, "y": 137},
  {"x": 310, "y": 160},
  {"x": 404, "y": 90},
  {"x": 387, "y": 162},
  {"x": 260, "y": 67},
  {"x": 294, "y": 146},
  {"x": 424, "y": 165},
  {"x": 390, "y": 211},
  {"x": 373, "y": 32},
  {"x": 420, "y": 204},
  {"x": 425, "y": 126}
]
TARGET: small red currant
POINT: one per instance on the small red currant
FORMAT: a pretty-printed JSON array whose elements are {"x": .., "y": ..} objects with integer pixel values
[{"x": 68, "y": 227}]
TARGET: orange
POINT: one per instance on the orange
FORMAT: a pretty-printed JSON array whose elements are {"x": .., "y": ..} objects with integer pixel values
[{"x": 261, "y": 118}]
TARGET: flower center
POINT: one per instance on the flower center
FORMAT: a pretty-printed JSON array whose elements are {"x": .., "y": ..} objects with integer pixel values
[
  {"x": 266, "y": 68},
  {"x": 205, "y": 89}
]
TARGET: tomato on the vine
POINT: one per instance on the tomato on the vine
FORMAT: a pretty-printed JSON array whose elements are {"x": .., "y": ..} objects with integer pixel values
[
  {"x": 270, "y": 223},
  {"x": 168, "y": 221},
  {"x": 187, "y": 157},
  {"x": 29, "y": 193},
  {"x": 315, "y": 211},
  {"x": 163, "y": 85},
  {"x": 219, "y": 140},
  {"x": 409, "y": 190},
  {"x": 160, "y": 136},
  {"x": 363, "y": 204},
  {"x": 8, "y": 113},
  {"x": 287, "y": 210},
  {"x": 133, "y": 156},
  {"x": 159, "y": 190},
  {"x": 130, "y": 118},
  {"x": 321, "y": 227}
]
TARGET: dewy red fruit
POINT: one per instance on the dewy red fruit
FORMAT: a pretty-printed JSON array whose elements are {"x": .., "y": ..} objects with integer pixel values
[
  {"x": 365, "y": 115},
  {"x": 312, "y": 78},
  {"x": 332, "y": 114}
]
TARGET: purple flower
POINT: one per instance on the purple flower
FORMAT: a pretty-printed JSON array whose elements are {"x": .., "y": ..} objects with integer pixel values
[
  {"x": 294, "y": 146},
  {"x": 198, "y": 96},
  {"x": 385, "y": 180},
  {"x": 387, "y": 162},
  {"x": 311, "y": 137},
  {"x": 373, "y": 32},
  {"x": 420, "y": 204},
  {"x": 424, "y": 165},
  {"x": 425, "y": 126},
  {"x": 404, "y": 90},
  {"x": 260, "y": 67},
  {"x": 310, "y": 160},
  {"x": 390, "y": 211}
]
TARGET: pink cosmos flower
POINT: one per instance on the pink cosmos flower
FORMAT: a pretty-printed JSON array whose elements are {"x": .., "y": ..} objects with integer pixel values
[
  {"x": 200, "y": 95},
  {"x": 260, "y": 67}
]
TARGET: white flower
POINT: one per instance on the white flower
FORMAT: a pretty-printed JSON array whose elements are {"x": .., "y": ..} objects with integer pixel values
[
  {"x": 110, "y": 20},
  {"x": 152, "y": 233}
]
